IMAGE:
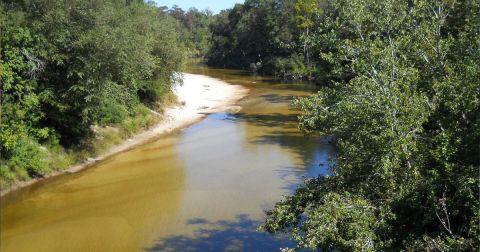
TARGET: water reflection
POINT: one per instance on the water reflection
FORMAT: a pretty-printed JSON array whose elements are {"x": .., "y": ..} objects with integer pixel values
[
  {"x": 248, "y": 79},
  {"x": 228, "y": 235}
]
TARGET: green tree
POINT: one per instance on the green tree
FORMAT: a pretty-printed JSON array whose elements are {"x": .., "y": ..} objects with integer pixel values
[
  {"x": 407, "y": 130},
  {"x": 257, "y": 35},
  {"x": 19, "y": 97},
  {"x": 69, "y": 65},
  {"x": 305, "y": 12}
]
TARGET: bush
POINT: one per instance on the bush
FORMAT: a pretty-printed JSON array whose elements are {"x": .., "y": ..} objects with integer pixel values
[
  {"x": 143, "y": 119},
  {"x": 29, "y": 156},
  {"x": 112, "y": 112},
  {"x": 286, "y": 68}
]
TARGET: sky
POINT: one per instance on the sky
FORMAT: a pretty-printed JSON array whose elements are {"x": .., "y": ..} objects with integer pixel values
[{"x": 214, "y": 5}]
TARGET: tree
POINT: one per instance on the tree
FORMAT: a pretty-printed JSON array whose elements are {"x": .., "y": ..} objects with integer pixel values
[
  {"x": 19, "y": 98},
  {"x": 69, "y": 65},
  {"x": 407, "y": 130},
  {"x": 305, "y": 12},
  {"x": 260, "y": 35}
]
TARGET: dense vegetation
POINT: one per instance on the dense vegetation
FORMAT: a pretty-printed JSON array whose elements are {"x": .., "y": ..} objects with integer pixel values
[
  {"x": 403, "y": 105},
  {"x": 193, "y": 28},
  {"x": 269, "y": 37},
  {"x": 70, "y": 67}
]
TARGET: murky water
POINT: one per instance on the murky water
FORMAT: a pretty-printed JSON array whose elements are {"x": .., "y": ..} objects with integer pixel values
[{"x": 204, "y": 188}]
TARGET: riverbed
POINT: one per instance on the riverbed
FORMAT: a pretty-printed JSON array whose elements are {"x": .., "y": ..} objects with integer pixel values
[{"x": 202, "y": 188}]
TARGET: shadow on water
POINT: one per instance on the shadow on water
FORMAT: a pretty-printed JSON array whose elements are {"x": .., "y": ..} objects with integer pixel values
[
  {"x": 311, "y": 149},
  {"x": 275, "y": 98},
  {"x": 267, "y": 120},
  {"x": 314, "y": 154},
  {"x": 236, "y": 235}
]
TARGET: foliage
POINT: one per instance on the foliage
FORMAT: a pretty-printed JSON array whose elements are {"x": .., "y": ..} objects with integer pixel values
[
  {"x": 268, "y": 37},
  {"x": 193, "y": 28},
  {"x": 291, "y": 67},
  {"x": 404, "y": 114},
  {"x": 69, "y": 65},
  {"x": 259, "y": 34}
]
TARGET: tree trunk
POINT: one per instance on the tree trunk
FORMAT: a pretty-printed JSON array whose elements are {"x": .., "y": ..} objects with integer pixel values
[{"x": 306, "y": 52}]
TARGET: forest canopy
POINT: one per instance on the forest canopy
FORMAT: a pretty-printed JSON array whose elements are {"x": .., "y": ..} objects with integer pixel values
[
  {"x": 69, "y": 65},
  {"x": 268, "y": 37}
]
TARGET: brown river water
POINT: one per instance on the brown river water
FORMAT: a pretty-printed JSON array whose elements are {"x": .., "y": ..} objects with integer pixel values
[{"x": 203, "y": 188}]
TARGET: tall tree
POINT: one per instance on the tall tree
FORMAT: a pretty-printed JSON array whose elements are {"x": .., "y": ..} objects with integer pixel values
[{"x": 305, "y": 12}]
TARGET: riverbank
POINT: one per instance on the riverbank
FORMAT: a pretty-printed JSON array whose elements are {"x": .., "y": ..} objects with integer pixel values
[{"x": 199, "y": 96}]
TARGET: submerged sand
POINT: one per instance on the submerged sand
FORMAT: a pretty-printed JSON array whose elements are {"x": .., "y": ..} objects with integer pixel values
[{"x": 198, "y": 95}]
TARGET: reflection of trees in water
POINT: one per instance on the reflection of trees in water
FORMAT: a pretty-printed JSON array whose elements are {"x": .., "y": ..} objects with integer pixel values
[
  {"x": 235, "y": 235},
  {"x": 277, "y": 120},
  {"x": 276, "y": 98},
  {"x": 310, "y": 153}
]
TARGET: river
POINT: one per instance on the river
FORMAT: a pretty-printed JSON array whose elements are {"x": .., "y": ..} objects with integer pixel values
[{"x": 203, "y": 188}]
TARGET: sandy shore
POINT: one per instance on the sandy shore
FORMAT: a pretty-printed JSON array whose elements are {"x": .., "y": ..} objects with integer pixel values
[{"x": 200, "y": 95}]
